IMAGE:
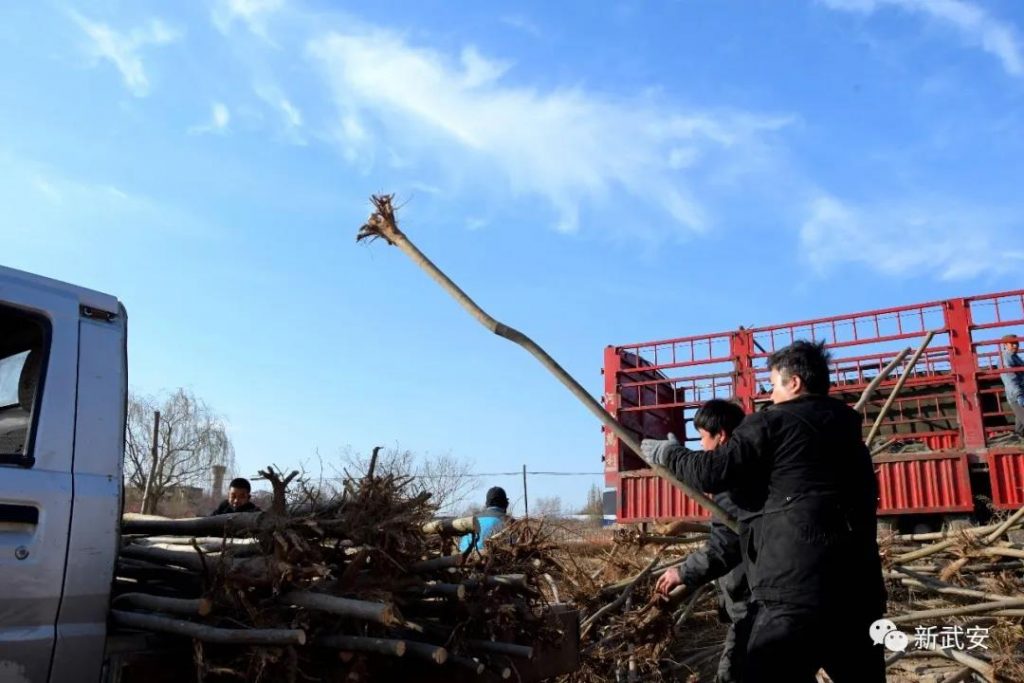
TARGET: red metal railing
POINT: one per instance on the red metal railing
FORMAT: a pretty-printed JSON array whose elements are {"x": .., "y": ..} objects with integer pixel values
[{"x": 952, "y": 403}]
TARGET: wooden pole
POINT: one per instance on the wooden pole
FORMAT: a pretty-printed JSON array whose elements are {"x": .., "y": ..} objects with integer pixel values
[
  {"x": 209, "y": 634},
  {"x": 382, "y": 223},
  {"x": 431, "y": 653},
  {"x": 899, "y": 385},
  {"x": 886, "y": 371},
  {"x": 380, "y": 646},
  {"x": 508, "y": 649},
  {"x": 526, "y": 498},
  {"x": 157, "y": 603},
  {"x": 235, "y": 523},
  {"x": 460, "y": 526},
  {"x": 356, "y": 609}
]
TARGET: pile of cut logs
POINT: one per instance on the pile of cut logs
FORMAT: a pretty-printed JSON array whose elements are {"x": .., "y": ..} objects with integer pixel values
[{"x": 366, "y": 587}]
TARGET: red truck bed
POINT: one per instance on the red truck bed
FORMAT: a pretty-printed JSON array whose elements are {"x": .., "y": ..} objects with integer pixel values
[{"x": 948, "y": 415}]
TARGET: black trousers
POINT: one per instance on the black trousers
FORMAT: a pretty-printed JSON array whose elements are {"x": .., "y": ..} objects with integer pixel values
[
  {"x": 734, "y": 651},
  {"x": 789, "y": 643}
]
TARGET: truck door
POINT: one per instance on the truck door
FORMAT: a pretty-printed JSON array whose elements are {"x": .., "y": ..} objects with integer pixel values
[{"x": 38, "y": 375}]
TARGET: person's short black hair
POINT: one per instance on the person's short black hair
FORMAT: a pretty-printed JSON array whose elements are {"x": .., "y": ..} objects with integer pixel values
[
  {"x": 806, "y": 360},
  {"x": 718, "y": 415},
  {"x": 240, "y": 483},
  {"x": 496, "y": 498}
]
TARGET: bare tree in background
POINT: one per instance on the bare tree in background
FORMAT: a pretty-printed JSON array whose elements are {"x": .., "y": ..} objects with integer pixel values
[
  {"x": 546, "y": 506},
  {"x": 448, "y": 478},
  {"x": 191, "y": 439},
  {"x": 595, "y": 503}
]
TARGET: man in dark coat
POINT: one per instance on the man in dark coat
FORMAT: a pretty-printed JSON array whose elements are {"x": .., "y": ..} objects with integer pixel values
[
  {"x": 720, "y": 558},
  {"x": 803, "y": 480},
  {"x": 239, "y": 498}
]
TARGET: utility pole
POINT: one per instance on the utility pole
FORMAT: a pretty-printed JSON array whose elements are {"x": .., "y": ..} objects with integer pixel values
[
  {"x": 147, "y": 493},
  {"x": 526, "y": 500}
]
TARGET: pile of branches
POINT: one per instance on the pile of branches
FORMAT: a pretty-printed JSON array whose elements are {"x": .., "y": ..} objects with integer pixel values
[
  {"x": 958, "y": 595},
  {"x": 962, "y": 588},
  {"x": 365, "y": 586},
  {"x": 628, "y": 633}
]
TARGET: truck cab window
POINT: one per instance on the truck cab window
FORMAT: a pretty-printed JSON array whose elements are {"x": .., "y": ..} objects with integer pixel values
[{"x": 22, "y": 348}]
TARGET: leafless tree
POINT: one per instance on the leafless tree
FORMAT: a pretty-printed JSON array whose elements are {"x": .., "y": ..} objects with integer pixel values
[
  {"x": 191, "y": 439},
  {"x": 595, "y": 504},
  {"x": 547, "y": 506},
  {"x": 447, "y": 477}
]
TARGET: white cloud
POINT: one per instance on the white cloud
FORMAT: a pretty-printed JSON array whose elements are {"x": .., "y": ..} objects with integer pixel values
[
  {"x": 290, "y": 115},
  {"x": 927, "y": 238},
  {"x": 521, "y": 23},
  {"x": 123, "y": 49},
  {"x": 974, "y": 24},
  {"x": 220, "y": 118},
  {"x": 567, "y": 146},
  {"x": 253, "y": 13}
]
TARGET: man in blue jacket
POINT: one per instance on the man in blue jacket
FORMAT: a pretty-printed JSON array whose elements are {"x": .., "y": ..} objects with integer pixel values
[
  {"x": 720, "y": 558},
  {"x": 491, "y": 519}
]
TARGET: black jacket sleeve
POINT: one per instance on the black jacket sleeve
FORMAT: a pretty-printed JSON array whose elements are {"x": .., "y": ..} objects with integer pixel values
[
  {"x": 720, "y": 555},
  {"x": 744, "y": 456}
]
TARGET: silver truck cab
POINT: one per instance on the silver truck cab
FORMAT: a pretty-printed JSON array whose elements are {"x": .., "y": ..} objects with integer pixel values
[{"x": 63, "y": 389}]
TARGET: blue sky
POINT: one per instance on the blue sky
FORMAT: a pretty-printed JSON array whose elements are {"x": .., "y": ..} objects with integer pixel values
[{"x": 592, "y": 173}]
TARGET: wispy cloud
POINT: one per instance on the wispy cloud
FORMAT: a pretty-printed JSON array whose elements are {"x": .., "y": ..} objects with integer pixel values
[
  {"x": 289, "y": 114},
  {"x": 45, "y": 206},
  {"x": 254, "y": 14},
  {"x": 930, "y": 237},
  {"x": 567, "y": 145},
  {"x": 973, "y": 23},
  {"x": 521, "y": 23},
  {"x": 123, "y": 49},
  {"x": 220, "y": 118}
]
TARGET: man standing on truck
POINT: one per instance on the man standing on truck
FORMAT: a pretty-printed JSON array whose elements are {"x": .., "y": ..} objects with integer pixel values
[
  {"x": 803, "y": 480},
  {"x": 1013, "y": 382},
  {"x": 239, "y": 498},
  {"x": 720, "y": 558}
]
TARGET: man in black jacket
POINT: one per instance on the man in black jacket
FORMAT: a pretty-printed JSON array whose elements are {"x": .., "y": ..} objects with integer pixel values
[
  {"x": 239, "y": 498},
  {"x": 720, "y": 558},
  {"x": 802, "y": 478}
]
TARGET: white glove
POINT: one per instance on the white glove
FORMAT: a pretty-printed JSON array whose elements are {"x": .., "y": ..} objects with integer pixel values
[{"x": 656, "y": 451}]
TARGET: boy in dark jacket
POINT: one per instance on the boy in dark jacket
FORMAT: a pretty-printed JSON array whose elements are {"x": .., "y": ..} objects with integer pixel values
[
  {"x": 803, "y": 480},
  {"x": 720, "y": 558}
]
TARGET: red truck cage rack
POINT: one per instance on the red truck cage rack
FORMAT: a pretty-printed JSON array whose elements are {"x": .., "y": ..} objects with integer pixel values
[{"x": 946, "y": 423}]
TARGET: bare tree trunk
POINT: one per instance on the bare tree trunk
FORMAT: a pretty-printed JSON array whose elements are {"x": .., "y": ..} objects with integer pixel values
[{"x": 148, "y": 502}]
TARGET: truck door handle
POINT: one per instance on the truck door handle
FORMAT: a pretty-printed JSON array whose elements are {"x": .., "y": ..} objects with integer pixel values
[{"x": 19, "y": 514}]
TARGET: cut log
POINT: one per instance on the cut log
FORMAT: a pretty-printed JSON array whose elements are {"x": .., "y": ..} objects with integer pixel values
[
  {"x": 188, "y": 559},
  {"x": 473, "y": 665},
  {"x": 236, "y": 523},
  {"x": 209, "y": 634},
  {"x": 436, "y": 564},
  {"x": 156, "y": 603},
  {"x": 979, "y": 608},
  {"x": 380, "y": 646},
  {"x": 499, "y": 648},
  {"x": 426, "y": 651},
  {"x": 346, "y": 607},
  {"x": 459, "y": 526}
]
